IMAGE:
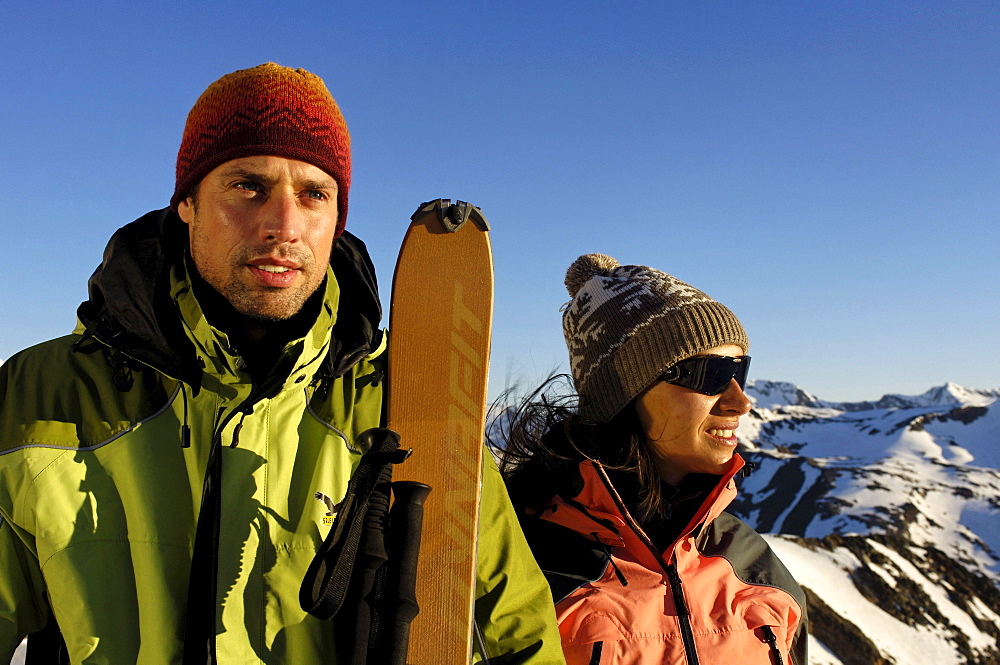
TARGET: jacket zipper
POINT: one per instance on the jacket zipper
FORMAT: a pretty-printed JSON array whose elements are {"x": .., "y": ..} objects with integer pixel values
[
  {"x": 200, "y": 648},
  {"x": 595, "y": 654},
  {"x": 673, "y": 577},
  {"x": 202, "y": 600},
  {"x": 683, "y": 614},
  {"x": 205, "y": 558}
]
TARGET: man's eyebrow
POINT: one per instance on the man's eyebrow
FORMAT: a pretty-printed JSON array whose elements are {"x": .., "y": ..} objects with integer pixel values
[
  {"x": 245, "y": 174},
  {"x": 329, "y": 183},
  {"x": 256, "y": 176}
]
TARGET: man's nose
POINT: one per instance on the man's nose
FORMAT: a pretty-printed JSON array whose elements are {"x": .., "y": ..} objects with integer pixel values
[{"x": 282, "y": 218}]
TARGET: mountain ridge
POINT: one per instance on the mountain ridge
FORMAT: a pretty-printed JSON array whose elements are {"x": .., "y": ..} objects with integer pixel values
[
  {"x": 886, "y": 512},
  {"x": 948, "y": 394}
]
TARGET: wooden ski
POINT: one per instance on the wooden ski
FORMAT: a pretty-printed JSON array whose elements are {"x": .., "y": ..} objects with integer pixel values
[{"x": 439, "y": 343}]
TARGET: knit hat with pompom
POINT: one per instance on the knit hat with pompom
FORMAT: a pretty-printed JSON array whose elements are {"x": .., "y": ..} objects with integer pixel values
[{"x": 627, "y": 324}]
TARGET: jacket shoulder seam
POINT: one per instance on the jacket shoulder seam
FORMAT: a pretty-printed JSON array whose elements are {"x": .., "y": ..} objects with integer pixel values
[{"x": 94, "y": 446}]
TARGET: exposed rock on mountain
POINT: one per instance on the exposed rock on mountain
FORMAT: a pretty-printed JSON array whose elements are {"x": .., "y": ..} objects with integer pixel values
[{"x": 888, "y": 512}]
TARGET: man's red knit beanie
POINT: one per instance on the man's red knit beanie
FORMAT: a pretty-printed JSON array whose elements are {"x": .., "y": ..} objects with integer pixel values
[{"x": 265, "y": 110}]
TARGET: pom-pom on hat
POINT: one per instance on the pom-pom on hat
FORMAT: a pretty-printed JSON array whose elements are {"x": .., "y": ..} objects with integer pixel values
[
  {"x": 627, "y": 324},
  {"x": 265, "y": 110}
]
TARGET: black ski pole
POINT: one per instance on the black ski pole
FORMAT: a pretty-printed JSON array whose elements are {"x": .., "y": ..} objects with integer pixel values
[
  {"x": 398, "y": 604},
  {"x": 367, "y": 575},
  {"x": 345, "y": 570}
]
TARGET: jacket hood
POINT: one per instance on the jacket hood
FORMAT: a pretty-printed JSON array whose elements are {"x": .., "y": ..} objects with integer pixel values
[{"x": 130, "y": 308}]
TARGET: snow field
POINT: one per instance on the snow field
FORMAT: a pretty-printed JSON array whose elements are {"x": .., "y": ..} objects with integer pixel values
[
  {"x": 978, "y": 640},
  {"x": 828, "y": 575},
  {"x": 820, "y": 655}
]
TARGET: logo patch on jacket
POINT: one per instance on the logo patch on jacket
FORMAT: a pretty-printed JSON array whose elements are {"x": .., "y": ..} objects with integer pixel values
[{"x": 331, "y": 508}]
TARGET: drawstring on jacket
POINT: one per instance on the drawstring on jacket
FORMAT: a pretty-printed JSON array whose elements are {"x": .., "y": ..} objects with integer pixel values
[
  {"x": 185, "y": 427},
  {"x": 122, "y": 375},
  {"x": 604, "y": 548},
  {"x": 100, "y": 333},
  {"x": 236, "y": 430},
  {"x": 322, "y": 382}
]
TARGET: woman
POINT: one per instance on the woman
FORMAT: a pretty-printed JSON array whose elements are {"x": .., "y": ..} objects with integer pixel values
[{"x": 622, "y": 497}]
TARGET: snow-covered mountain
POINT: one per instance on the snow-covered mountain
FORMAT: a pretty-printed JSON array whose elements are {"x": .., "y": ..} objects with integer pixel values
[
  {"x": 777, "y": 394},
  {"x": 888, "y": 513}
]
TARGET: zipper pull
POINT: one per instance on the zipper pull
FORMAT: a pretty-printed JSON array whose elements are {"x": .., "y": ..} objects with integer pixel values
[{"x": 772, "y": 640}]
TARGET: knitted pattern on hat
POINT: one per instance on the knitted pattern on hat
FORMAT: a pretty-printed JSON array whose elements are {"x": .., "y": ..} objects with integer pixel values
[
  {"x": 627, "y": 324},
  {"x": 265, "y": 110}
]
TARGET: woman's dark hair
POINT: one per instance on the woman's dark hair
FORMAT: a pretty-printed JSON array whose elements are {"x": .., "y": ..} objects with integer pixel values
[{"x": 540, "y": 441}]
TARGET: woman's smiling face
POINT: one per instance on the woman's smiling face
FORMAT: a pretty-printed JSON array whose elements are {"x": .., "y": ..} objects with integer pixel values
[{"x": 688, "y": 432}]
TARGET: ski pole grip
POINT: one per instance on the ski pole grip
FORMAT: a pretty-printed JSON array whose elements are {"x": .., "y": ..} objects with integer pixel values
[
  {"x": 406, "y": 522},
  {"x": 328, "y": 578}
]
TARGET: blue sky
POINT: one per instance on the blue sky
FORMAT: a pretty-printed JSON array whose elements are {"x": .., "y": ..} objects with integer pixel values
[{"x": 829, "y": 170}]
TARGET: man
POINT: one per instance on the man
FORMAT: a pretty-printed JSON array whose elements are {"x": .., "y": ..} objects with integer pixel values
[{"x": 167, "y": 471}]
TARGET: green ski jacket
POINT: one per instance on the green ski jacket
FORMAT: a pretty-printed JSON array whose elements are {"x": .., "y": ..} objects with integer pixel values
[{"x": 105, "y": 439}]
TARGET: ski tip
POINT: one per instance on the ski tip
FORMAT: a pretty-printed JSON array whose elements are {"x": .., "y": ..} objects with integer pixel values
[{"x": 452, "y": 216}]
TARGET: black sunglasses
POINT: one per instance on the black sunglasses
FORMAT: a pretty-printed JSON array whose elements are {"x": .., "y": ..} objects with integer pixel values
[{"x": 708, "y": 375}]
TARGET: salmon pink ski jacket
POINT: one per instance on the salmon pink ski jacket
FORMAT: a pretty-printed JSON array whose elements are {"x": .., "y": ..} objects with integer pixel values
[{"x": 717, "y": 595}]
